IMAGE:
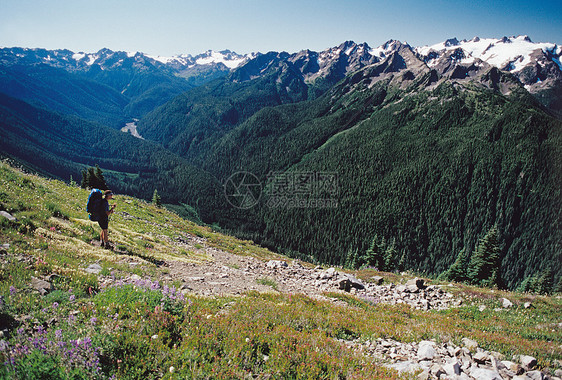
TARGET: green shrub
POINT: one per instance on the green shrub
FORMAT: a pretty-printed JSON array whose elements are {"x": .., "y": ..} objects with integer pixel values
[
  {"x": 267, "y": 282},
  {"x": 55, "y": 210}
]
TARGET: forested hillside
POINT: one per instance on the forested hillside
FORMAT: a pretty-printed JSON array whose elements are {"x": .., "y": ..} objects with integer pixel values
[
  {"x": 62, "y": 146},
  {"x": 428, "y": 166}
]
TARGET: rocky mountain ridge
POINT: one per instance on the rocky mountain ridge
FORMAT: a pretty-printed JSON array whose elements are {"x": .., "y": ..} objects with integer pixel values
[
  {"x": 108, "y": 59},
  {"x": 536, "y": 66},
  {"x": 518, "y": 55}
]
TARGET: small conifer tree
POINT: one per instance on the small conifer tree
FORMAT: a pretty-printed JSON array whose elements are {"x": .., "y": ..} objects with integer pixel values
[
  {"x": 458, "y": 270},
  {"x": 374, "y": 255},
  {"x": 545, "y": 282},
  {"x": 156, "y": 199},
  {"x": 92, "y": 178},
  {"x": 484, "y": 266},
  {"x": 390, "y": 257}
]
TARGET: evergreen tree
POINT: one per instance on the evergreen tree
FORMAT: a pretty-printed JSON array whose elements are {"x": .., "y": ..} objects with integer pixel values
[
  {"x": 92, "y": 178},
  {"x": 545, "y": 283},
  {"x": 390, "y": 255},
  {"x": 458, "y": 270},
  {"x": 85, "y": 179},
  {"x": 558, "y": 288},
  {"x": 484, "y": 266},
  {"x": 100, "y": 179},
  {"x": 374, "y": 255},
  {"x": 156, "y": 199},
  {"x": 351, "y": 259},
  {"x": 402, "y": 262},
  {"x": 529, "y": 284}
]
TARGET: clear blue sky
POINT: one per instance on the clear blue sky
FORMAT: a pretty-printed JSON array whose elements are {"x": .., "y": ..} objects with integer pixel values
[{"x": 167, "y": 27}]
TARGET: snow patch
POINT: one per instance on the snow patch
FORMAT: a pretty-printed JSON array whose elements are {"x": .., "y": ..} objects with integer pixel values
[
  {"x": 78, "y": 56},
  {"x": 217, "y": 57}
]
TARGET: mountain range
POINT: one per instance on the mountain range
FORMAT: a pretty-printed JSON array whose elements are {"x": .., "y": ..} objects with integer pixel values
[{"x": 425, "y": 149}]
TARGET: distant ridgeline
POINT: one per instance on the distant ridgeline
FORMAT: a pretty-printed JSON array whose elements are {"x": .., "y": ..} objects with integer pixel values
[{"x": 393, "y": 157}]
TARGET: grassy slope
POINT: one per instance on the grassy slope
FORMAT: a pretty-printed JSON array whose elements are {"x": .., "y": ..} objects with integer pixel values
[{"x": 144, "y": 329}]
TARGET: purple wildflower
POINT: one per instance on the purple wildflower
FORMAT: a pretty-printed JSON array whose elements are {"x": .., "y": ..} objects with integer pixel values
[
  {"x": 87, "y": 343},
  {"x": 55, "y": 305},
  {"x": 155, "y": 285},
  {"x": 72, "y": 298},
  {"x": 12, "y": 290}
]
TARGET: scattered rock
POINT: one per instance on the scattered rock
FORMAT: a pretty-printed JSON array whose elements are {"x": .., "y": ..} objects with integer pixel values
[
  {"x": 528, "y": 362},
  {"x": 513, "y": 367},
  {"x": 277, "y": 264},
  {"x": 443, "y": 360},
  {"x": 535, "y": 375},
  {"x": 42, "y": 286},
  {"x": 452, "y": 369},
  {"x": 426, "y": 350},
  {"x": 506, "y": 304},
  {"x": 484, "y": 374},
  {"x": 355, "y": 282},
  {"x": 94, "y": 268},
  {"x": 416, "y": 282},
  {"x": 405, "y": 367},
  {"x": 470, "y": 344},
  {"x": 344, "y": 284},
  {"x": 377, "y": 280},
  {"x": 481, "y": 357},
  {"x": 8, "y": 216},
  {"x": 196, "y": 279},
  {"x": 528, "y": 305}
]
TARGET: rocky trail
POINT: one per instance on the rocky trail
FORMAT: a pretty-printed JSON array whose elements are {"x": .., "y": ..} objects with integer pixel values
[{"x": 229, "y": 274}]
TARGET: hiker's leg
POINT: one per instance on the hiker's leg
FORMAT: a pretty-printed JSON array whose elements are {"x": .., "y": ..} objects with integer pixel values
[{"x": 104, "y": 225}]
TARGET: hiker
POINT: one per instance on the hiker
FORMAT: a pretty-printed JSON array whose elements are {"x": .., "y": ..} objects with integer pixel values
[{"x": 103, "y": 220}]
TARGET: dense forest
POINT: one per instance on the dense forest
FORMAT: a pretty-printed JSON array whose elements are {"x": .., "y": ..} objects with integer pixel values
[{"x": 427, "y": 171}]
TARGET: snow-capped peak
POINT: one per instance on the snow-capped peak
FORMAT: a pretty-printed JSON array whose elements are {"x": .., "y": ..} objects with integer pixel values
[
  {"x": 386, "y": 49},
  {"x": 226, "y": 57},
  {"x": 512, "y": 53}
]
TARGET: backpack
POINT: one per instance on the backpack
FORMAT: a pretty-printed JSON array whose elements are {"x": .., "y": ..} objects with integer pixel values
[{"x": 94, "y": 204}]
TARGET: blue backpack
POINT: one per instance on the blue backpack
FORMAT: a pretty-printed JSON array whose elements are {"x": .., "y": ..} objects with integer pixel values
[{"x": 94, "y": 204}]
